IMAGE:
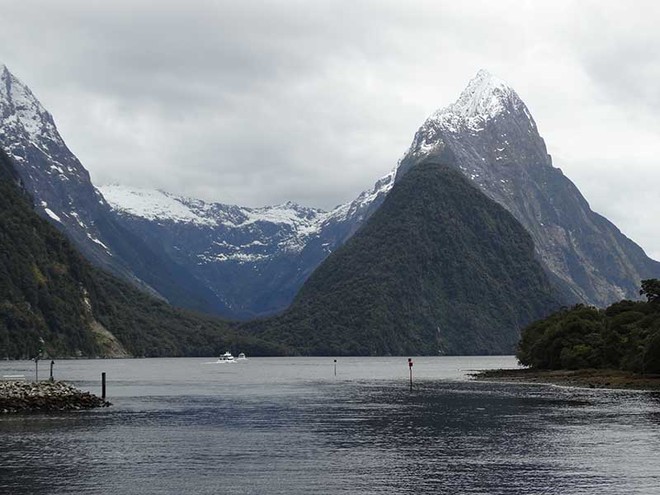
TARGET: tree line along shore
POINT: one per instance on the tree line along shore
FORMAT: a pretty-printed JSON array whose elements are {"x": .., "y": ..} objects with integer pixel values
[{"x": 615, "y": 347}]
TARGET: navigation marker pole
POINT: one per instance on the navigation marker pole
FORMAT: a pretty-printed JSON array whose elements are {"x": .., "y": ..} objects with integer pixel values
[
  {"x": 103, "y": 385},
  {"x": 335, "y": 367},
  {"x": 410, "y": 365},
  {"x": 37, "y": 357}
]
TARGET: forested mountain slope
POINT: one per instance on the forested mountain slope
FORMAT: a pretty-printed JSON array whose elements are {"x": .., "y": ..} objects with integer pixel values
[
  {"x": 50, "y": 292},
  {"x": 439, "y": 268}
]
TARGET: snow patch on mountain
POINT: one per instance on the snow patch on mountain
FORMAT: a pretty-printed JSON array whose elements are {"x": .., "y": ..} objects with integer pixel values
[
  {"x": 364, "y": 200},
  {"x": 151, "y": 205},
  {"x": 305, "y": 220},
  {"x": 214, "y": 234},
  {"x": 52, "y": 215}
]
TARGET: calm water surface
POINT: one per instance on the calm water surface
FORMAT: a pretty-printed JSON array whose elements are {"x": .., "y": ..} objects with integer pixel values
[{"x": 290, "y": 426}]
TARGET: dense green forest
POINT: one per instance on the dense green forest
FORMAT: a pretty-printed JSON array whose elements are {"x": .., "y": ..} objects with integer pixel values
[
  {"x": 49, "y": 293},
  {"x": 624, "y": 336},
  {"x": 438, "y": 268}
]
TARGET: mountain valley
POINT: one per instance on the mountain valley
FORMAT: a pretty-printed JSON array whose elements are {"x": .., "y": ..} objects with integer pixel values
[{"x": 382, "y": 274}]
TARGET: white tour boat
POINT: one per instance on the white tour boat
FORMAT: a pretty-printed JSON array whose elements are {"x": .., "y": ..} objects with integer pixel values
[{"x": 226, "y": 358}]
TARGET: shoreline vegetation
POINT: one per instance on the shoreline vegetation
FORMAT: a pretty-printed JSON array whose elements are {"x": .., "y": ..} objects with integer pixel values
[
  {"x": 46, "y": 396},
  {"x": 584, "y": 378},
  {"x": 617, "y": 347}
]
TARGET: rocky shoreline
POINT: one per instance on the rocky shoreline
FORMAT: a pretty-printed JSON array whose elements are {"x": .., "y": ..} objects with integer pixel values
[
  {"x": 590, "y": 378},
  {"x": 23, "y": 397}
]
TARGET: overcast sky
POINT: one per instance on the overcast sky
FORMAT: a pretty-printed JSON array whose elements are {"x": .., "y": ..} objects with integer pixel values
[{"x": 257, "y": 103}]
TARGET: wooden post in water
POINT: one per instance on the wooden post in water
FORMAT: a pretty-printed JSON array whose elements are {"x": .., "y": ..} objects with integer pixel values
[
  {"x": 410, "y": 365},
  {"x": 103, "y": 385},
  {"x": 52, "y": 363},
  {"x": 335, "y": 367}
]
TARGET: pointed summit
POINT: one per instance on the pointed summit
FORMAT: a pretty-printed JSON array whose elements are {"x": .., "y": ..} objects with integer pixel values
[
  {"x": 485, "y": 97},
  {"x": 490, "y": 136},
  {"x": 486, "y": 102},
  {"x": 21, "y": 113},
  {"x": 51, "y": 174}
]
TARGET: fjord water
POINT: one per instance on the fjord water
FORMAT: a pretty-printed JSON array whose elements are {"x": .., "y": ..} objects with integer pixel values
[{"x": 290, "y": 426}]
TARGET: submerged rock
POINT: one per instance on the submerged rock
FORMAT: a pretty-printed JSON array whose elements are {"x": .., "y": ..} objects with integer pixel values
[{"x": 45, "y": 397}]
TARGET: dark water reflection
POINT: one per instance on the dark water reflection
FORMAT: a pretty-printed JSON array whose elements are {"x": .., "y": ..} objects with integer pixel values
[
  {"x": 272, "y": 428},
  {"x": 476, "y": 438}
]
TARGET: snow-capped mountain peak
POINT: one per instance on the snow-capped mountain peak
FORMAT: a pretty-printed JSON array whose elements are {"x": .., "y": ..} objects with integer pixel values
[
  {"x": 50, "y": 173},
  {"x": 29, "y": 135},
  {"x": 484, "y": 97},
  {"x": 20, "y": 111},
  {"x": 490, "y": 136}
]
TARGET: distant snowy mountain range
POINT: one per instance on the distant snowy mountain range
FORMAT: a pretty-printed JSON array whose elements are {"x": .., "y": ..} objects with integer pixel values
[
  {"x": 253, "y": 259},
  {"x": 245, "y": 262},
  {"x": 297, "y": 224}
]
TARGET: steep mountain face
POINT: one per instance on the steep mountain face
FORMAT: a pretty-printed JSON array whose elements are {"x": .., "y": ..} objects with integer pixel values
[
  {"x": 64, "y": 195},
  {"x": 490, "y": 136},
  {"x": 253, "y": 259},
  {"x": 49, "y": 171},
  {"x": 50, "y": 294},
  {"x": 438, "y": 268}
]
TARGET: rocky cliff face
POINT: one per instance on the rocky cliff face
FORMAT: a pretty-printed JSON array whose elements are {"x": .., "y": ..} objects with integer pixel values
[{"x": 491, "y": 137}]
